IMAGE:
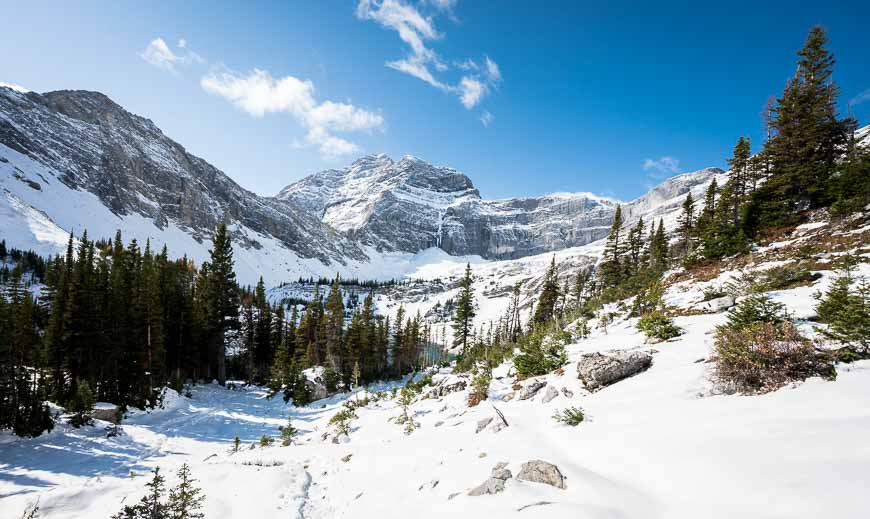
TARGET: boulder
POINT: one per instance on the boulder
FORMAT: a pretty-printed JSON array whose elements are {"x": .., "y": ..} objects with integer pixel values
[
  {"x": 107, "y": 412},
  {"x": 316, "y": 389},
  {"x": 538, "y": 471},
  {"x": 567, "y": 392},
  {"x": 550, "y": 394},
  {"x": 495, "y": 483},
  {"x": 597, "y": 370},
  {"x": 531, "y": 389}
]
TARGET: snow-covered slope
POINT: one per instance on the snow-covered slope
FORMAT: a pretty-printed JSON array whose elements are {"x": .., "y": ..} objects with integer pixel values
[{"x": 410, "y": 205}]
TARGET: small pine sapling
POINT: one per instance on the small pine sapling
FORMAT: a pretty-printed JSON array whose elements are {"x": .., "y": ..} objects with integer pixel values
[
  {"x": 287, "y": 432},
  {"x": 572, "y": 416}
]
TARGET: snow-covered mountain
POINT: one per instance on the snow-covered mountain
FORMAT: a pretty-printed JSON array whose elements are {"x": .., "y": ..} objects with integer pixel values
[
  {"x": 76, "y": 160},
  {"x": 410, "y": 205}
]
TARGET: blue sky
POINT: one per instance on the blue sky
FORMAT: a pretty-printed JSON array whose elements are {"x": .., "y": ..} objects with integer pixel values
[{"x": 575, "y": 97}]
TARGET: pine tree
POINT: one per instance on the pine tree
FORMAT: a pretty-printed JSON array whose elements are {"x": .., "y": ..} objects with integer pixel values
[
  {"x": 463, "y": 317},
  {"x": 334, "y": 324},
  {"x": 185, "y": 500},
  {"x": 808, "y": 142},
  {"x": 223, "y": 300},
  {"x": 659, "y": 253},
  {"x": 611, "y": 266},
  {"x": 546, "y": 306}
]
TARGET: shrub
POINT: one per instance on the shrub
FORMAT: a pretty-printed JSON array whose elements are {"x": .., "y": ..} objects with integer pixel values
[
  {"x": 846, "y": 311},
  {"x": 406, "y": 397},
  {"x": 479, "y": 386},
  {"x": 657, "y": 325},
  {"x": 82, "y": 406},
  {"x": 765, "y": 356},
  {"x": 541, "y": 353},
  {"x": 265, "y": 440},
  {"x": 786, "y": 276},
  {"x": 341, "y": 421},
  {"x": 572, "y": 416},
  {"x": 755, "y": 309}
]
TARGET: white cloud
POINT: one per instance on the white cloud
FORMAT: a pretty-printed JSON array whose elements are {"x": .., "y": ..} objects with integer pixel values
[
  {"x": 666, "y": 165},
  {"x": 492, "y": 70},
  {"x": 416, "y": 30},
  {"x": 258, "y": 93},
  {"x": 159, "y": 54},
  {"x": 13, "y": 86},
  {"x": 486, "y": 118},
  {"x": 471, "y": 91},
  {"x": 443, "y": 5},
  {"x": 860, "y": 98}
]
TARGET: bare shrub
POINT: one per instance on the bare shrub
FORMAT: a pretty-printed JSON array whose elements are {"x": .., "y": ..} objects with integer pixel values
[{"x": 764, "y": 357}]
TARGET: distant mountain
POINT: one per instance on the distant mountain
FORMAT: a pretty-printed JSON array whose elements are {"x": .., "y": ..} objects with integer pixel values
[
  {"x": 76, "y": 160},
  {"x": 410, "y": 205}
]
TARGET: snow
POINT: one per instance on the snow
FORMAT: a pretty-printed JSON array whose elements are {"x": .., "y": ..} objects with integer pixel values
[{"x": 663, "y": 443}]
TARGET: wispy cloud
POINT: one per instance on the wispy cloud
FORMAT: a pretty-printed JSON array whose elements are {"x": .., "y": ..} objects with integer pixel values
[
  {"x": 486, "y": 118},
  {"x": 860, "y": 98},
  {"x": 159, "y": 54},
  {"x": 664, "y": 166},
  {"x": 418, "y": 31},
  {"x": 258, "y": 93}
]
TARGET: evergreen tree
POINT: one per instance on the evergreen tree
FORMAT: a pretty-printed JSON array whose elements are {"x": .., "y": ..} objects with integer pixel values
[
  {"x": 545, "y": 308},
  {"x": 222, "y": 300},
  {"x": 185, "y": 500},
  {"x": 611, "y": 266},
  {"x": 809, "y": 140},
  {"x": 463, "y": 317}
]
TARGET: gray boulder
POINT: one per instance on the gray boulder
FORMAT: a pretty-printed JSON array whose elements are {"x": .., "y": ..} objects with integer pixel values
[
  {"x": 597, "y": 370},
  {"x": 531, "y": 389},
  {"x": 538, "y": 471},
  {"x": 495, "y": 483},
  {"x": 550, "y": 394}
]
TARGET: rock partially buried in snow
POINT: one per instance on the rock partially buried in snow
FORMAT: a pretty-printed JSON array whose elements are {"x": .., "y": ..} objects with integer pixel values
[
  {"x": 446, "y": 388},
  {"x": 495, "y": 483},
  {"x": 531, "y": 389},
  {"x": 720, "y": 304},
  {"x": 597, "y": 370},
  {"x": 481, "y": 424},
  {"x": 538, "y": 471},
  {"x": 550, "y": 394},
  {"x": 108, "y": 412}
]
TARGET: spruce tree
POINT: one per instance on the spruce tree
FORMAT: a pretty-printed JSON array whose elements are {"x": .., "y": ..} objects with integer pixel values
[
  {"x": 611, "y": 266},
  {"x": 223, "y": 300},
  {"x": 546, "y": 306},
  {"x": 463, "y": 317}
]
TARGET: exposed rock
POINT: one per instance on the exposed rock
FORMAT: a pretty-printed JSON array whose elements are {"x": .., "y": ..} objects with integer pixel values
[
  {"x": 597, "y": 370},
  {"x": 538, "y": 471},
  {"x": 346, "y": 458},
  {"x": 567, "y": 392},
  {"x": 481, "y": 424},
  {"x": 495, "y": 483},
  {"x": 107, "y": 412},
  {"x": 550, "y": 394},
  {"x": 446, "y": 388},
  {"x": 531, "y": 389},
  {"x": 316, "y": 389}
]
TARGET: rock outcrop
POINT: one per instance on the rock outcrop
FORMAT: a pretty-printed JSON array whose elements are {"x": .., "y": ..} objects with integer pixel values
[
  {"x": 597, "y": 370},
  {"x": 538, "y": 471},
  {"x": 495, "y": 483}
]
